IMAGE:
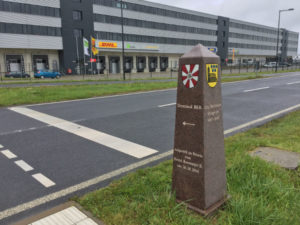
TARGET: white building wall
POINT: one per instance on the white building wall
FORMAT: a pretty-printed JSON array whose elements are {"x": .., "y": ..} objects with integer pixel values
[
  {"x": 16, "y": 41},
  {"x": 159, "y": 48}
]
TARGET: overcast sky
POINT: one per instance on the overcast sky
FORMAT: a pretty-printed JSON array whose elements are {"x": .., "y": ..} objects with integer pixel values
[{"x": 257, "y": 11}]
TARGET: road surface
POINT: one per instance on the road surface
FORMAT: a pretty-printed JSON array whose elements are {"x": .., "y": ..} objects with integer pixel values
[{"x": 51, "y": 152}]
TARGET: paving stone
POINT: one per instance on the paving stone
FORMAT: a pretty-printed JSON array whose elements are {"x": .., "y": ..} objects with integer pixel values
[{"x": 285, "y": 159}]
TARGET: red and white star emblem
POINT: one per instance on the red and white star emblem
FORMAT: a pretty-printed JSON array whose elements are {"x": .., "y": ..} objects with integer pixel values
[{"x": 190, "y": 75}]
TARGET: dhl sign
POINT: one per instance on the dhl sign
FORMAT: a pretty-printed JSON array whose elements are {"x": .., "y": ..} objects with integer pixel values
[{"x": 107, "y": 44}]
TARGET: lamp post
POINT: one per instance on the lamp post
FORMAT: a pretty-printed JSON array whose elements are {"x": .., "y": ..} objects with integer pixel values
[
  {"x": 123, "y": 50},
  {"x": 278, "y": 31}
]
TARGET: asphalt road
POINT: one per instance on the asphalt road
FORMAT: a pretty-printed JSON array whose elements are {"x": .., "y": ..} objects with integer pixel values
[{"x": 54, "y": 148}]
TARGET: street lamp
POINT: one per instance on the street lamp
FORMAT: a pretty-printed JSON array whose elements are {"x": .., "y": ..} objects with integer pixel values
[
  {"x": 123, "y": 50},
  {"x": 278, "y": 30}
]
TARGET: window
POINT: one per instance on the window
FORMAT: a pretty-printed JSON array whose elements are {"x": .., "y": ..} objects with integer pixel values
[
  {"x": 152, "y": 25},
  {"x": 77, "y": 15},
  {"x": 78, "y": 33},
  {"x": 29, "y": 9}
]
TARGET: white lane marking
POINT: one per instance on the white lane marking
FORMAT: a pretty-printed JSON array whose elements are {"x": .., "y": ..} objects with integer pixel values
[
  {"x": 23, "y": 165},
  {"x": 256, "y": 89},
  {"x": 110, "y": 141},
  {"x": 297, "y": 82},
  {"x": 50, "y": 197},
  {"x": 43, "y": 180},
  {"x": 1, "y": 146},
  {"x": 261, "y": 119},
  {"x": 8, "y": 154},
  {"x": 161, "y": 106},
  {"x": 40, "y": 201}
]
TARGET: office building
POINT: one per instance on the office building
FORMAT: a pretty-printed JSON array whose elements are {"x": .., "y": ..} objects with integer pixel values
[{"x": 40, "y": 34}]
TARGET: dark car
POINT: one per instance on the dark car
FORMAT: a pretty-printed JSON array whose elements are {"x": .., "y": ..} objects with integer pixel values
[
  {"x": 17, "y": 75},
  {"x": 284, "y": 64}
]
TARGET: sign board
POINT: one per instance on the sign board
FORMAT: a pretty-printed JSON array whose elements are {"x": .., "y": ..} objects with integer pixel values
[
  {"x": 213, "y": 49},
  {"x": 86, "y": 47},
  {"x": 107, "y": 44},
  {"x": 212, "y": 74},
  {"x": 199, "y": 173}
]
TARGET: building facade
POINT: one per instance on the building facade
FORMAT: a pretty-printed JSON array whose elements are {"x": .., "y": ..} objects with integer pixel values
[{"x": 40, "y": 34}]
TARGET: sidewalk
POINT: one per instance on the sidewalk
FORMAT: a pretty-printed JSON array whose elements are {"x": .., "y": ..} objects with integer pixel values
[{"x": 69, "y": 213}]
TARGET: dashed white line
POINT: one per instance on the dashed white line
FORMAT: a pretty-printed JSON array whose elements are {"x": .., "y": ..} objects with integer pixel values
[
  {"x": 121, "y": 145},
  {"x": 1, "y": 146},
  {"x": 160, "y": 106},
  {"x": 8, "y": 154},
  {"x": 256, "y": 89},
  {"x": 23, "y": 165},
  {"x": 297, "y": 82},
  {"x": 43, "y": 180}
]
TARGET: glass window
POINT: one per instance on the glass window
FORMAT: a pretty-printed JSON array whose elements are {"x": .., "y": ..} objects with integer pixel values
[
  {"x": 77, "y": 15},
  {"x": 78, "y": 33}
]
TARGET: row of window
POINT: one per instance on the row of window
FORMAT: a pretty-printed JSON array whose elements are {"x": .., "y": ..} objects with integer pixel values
[
  {"x": 13, "y": 28},
  {"x": 294, "y": 36},
  {"x": 251, "y": 46},
  {"x": 253, "y": 28},
  {"x": 151, "y": 39},
  {"x": 292, "y": 49},
  {"x": 155, "y": 11},
  {"x": 293, "y": 42},
  {"x": 29, "y": 9},
  {"x": 152, "y": 25},
  {"x": 252, "y": 37}
]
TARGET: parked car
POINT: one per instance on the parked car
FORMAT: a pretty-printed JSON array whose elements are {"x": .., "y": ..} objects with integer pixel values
[
  {"x": 47, "y": 74},
  {"x": 284, "y": 64},
  {"x": 270, "y": 64},
  {"x": 16, "y": 74}
]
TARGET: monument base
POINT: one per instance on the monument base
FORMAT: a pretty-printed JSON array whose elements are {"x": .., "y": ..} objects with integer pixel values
[{"x": 209, "y": 211}]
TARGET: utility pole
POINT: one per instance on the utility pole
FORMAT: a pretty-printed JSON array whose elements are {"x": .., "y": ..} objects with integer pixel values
[
  {"x": 278, "y": 31},
  {"x": 77, "y": 51},
  {"x": 123, "y": 47}
]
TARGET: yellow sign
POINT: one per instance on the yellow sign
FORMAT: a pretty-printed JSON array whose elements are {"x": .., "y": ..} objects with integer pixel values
[
  {"x": 212, "y": 74},
  {"x": 94, "y": 49},
  {"x": 108, "y": 44}
]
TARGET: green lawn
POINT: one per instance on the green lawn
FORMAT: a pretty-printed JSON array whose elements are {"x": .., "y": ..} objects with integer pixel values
[
  {"x": 33, "y": 95},
  {"x": 30, "y": 95},
  {"x": 270, "y": 71},
  {"x": 261, "y": 193}
]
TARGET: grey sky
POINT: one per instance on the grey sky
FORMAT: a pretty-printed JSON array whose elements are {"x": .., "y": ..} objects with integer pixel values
[{"x": 257, "y": 11}]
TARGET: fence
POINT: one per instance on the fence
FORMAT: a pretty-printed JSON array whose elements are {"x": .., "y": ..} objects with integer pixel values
[{"x": 170, "y": 73}]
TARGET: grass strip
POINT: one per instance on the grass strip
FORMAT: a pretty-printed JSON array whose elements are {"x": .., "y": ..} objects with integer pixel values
[
  {"x": 260, "y": 72},
  {"x": 261, "y": 193},
  {"x": 32, "y": 95}
]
